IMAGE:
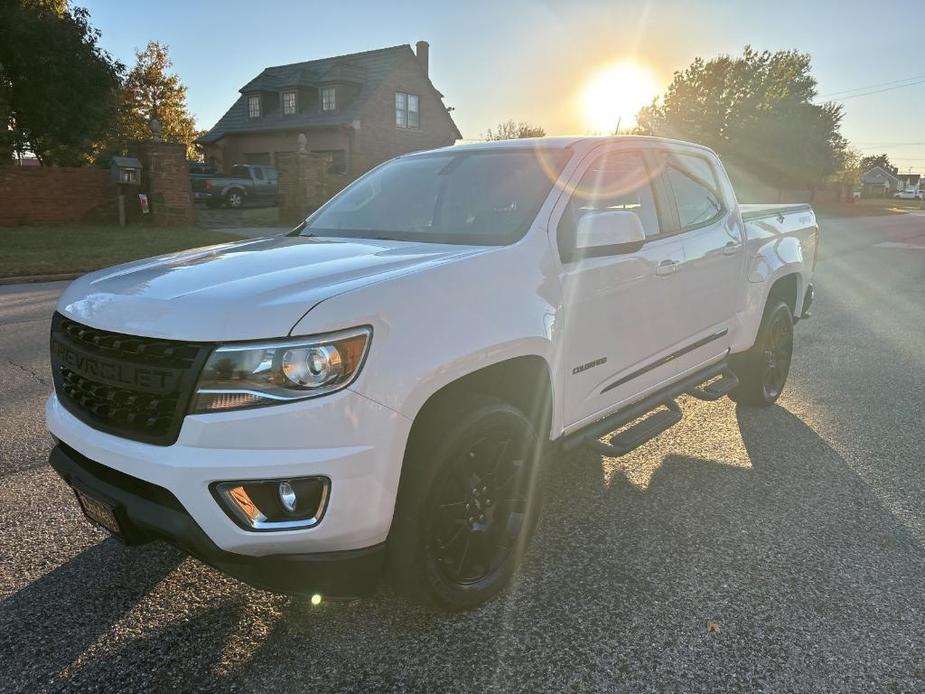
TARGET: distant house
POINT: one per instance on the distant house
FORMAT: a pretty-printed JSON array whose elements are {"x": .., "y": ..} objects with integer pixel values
[
  {"x": 910, "y": 181},
  {"x": 877, "y": 182},
  {"x": 360, "y": 109}
]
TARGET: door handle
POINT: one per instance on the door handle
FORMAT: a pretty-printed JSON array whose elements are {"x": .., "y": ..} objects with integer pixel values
[
  {"x": 730, "y": 248},
  {"x": 666, "y": 267}
]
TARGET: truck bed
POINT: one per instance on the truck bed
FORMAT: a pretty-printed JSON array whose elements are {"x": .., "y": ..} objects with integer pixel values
[{"x": 758, "y": 210}]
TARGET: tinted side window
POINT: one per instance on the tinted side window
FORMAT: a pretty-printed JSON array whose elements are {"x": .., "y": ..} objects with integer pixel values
[
  {"x": 258, "y": 173},
  {"x": 614, "y": 181},
  {"x": 696, "y": 191}
]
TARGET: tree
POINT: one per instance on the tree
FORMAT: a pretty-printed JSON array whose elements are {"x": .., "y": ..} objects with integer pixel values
[
  {"x": 58, "y": 88},
  {"x": 881, "y": 160},
  {"x": 848, "y": 176},
  {"x": 151, "y": 91},
  {"x": 509, "y": 130},
  {"x": 757, "y": 112}
]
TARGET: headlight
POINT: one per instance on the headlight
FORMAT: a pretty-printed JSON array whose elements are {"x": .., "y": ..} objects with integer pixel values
[{"x": 251, "y": 375}]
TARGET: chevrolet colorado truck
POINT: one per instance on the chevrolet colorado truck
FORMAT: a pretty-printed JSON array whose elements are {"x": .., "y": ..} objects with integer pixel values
[{"x": 374, "y": 393}]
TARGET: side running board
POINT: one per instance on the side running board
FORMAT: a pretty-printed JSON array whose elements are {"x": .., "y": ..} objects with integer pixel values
[
  {"x": 724, "y": 385},
  {"x": 719, "y": 380},
  {"x": 636, "y": 435}
]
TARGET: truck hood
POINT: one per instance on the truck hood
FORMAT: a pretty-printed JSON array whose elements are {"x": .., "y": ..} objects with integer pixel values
[{"x": 246, "y": 290}]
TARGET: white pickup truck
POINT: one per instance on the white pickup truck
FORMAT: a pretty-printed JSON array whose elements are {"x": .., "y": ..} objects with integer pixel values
[{"x": 374, "y": 393}]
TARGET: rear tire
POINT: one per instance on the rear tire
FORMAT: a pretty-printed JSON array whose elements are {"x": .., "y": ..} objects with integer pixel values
[
  {"x": 468, "y": 503},
  {"x": 762, "y": 370}
]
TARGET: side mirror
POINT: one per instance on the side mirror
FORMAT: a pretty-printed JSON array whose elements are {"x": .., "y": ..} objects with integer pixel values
[{"x": 609, "y": 233}]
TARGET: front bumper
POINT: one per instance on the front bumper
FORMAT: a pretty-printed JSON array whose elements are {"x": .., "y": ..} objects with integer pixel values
[
  {"x": 148, "y": 512},
  {"x": 356, "y": 443}
]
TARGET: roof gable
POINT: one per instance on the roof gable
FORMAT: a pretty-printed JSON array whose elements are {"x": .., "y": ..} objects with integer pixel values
[{"x": 878, "y": 174}]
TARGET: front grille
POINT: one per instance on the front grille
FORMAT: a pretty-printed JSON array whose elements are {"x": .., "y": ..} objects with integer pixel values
[{"x": 135, "y": 387}]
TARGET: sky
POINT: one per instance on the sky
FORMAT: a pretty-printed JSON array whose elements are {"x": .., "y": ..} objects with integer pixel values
[{"x": 533, "y": 61}]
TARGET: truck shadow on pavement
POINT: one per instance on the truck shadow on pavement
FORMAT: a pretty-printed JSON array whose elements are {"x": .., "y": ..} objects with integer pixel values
[
  {"x": 46, "y": 626},
  {"x": 786, "y": 575}
]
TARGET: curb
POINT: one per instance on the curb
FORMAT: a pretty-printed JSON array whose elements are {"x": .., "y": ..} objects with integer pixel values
[{"x": 33, "y": 279}]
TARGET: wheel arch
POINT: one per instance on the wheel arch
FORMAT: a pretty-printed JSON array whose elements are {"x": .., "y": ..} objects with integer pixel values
[
  {"x": 787, "y": 289},
  {"x": 523, "y": 381},
  {"x": 787, "y": 285}
]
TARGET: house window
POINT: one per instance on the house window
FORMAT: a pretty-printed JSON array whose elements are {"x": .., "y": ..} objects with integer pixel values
[
  {"x": 253, "y": 106},
  {"x": 407, "y": 113},
  {"x": 289, "y": 103},
  {"x": 327, "y": 99}
]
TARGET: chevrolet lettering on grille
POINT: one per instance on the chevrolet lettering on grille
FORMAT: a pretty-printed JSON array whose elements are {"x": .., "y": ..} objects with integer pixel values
[{"x": 114, "y": 373}]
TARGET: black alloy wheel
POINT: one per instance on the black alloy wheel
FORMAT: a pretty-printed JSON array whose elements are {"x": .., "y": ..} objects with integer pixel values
[
  {"x": 777, "y": 353},
  {"x": 467, "y": 504},
  {"x": 762, "y": 370},
  {"x": 478, "y": 510}
]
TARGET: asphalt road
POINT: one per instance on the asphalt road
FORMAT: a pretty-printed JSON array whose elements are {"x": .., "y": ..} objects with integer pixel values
[{"x": 773, "y": 550}]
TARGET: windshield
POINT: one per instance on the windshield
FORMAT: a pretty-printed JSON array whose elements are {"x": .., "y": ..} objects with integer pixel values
[{"x": 485, "y": 197}]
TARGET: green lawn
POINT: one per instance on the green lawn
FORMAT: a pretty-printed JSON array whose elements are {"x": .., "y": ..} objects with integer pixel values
[
  {"x": 868, "y": 207},
  {"x": 52, "y": 250}
]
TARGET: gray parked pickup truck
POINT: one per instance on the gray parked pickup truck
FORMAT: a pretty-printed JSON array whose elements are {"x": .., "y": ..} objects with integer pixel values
[{"x": 247, "y": 183}]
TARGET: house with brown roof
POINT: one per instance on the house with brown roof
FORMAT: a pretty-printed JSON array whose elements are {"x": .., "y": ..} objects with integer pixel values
[{"x": 359, "y": 109}]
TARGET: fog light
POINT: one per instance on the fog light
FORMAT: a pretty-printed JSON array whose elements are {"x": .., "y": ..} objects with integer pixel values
[
  {"x": 287, "y": 496},
  {"x": 274, "y": 504}
]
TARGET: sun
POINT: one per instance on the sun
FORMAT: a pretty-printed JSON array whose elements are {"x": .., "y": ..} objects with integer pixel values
[{"x": 614, "y": 96}]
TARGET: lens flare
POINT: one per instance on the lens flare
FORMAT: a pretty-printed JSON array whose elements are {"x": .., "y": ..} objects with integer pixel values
[
  {"x": 316, "y": 599},
  {"x": 614, "y": 96}
]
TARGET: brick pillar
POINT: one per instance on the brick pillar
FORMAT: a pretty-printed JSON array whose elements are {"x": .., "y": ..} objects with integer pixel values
[
  {"x": 165, "y": 178},
  {"x": 303, "y": 184}
]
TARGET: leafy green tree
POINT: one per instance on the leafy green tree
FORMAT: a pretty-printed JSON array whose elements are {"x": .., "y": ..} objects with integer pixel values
[
  {"x": 152, "y": 91},
  {"x": 509, "y": 130},
  {"x": 757, "y": 112},
  {"x": 58, "y": 88},
  {"x": 848, "y": 176},
  {"x": 881, "y": 160}
]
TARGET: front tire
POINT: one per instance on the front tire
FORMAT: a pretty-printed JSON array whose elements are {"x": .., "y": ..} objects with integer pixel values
[
  {"x": 468, "y": 503},
  {"x": 234, "y": 199},
  {"x": 762, "y": 371}
]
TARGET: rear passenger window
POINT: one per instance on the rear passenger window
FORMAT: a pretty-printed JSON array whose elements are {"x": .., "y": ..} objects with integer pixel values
[
  {"x": 695, "y": 188},
  {"x": 614, "y": 181},
  {"x": 258, "y": 173}
]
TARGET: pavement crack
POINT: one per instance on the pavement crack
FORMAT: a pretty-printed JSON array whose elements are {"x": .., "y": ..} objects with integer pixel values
[{"x": 29, "y": 371}]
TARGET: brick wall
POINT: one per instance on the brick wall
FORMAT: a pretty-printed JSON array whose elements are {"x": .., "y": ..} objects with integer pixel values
[
  {"x": 165, "y": 178},
  {"x": 303, "y": 184},
  {"x": 47, "y": 195}
]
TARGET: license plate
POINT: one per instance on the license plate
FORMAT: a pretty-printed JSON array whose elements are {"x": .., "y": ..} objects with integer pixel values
[{"x": 99, "y": 512}]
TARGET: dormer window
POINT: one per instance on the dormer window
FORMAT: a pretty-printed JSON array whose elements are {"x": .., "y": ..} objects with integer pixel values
[
  {"x": 289, "y": 103},
  {"x": 327, "y": 99},
  {"x": 253, "y": 106}
]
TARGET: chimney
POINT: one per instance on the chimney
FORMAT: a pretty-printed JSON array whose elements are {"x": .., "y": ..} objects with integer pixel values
[{"x": 423, "y": 53}]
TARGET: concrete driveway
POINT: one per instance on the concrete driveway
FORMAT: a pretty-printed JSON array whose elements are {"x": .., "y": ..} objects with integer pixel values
[{"x": 772, "y": 550}]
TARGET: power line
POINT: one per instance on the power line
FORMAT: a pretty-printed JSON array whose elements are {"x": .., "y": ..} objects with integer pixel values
[
  {"x": 890, "y": 145},
  {"x": 872, "y": 86},
  {"x": 879, "y": 91}
]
